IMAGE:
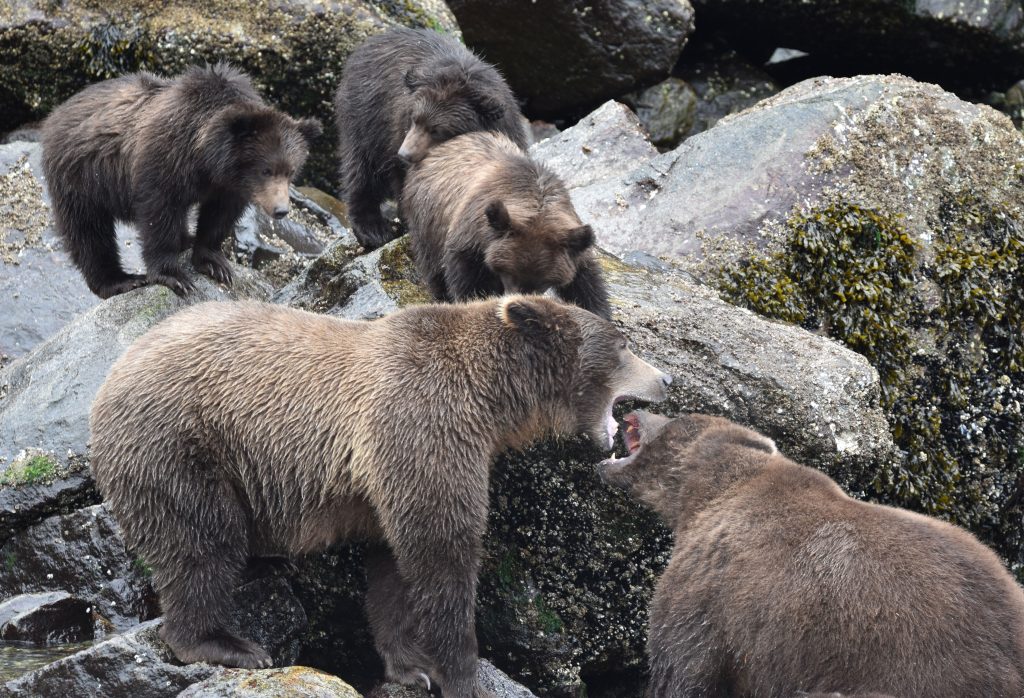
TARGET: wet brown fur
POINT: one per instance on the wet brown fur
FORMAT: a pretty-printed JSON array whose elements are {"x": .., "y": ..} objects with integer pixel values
[
  {"x": 485, "y": 219},
  {"x": 144, "y": 149},
  {"x": 780, "y": 583},
  {"x": 233, "y": 430}
]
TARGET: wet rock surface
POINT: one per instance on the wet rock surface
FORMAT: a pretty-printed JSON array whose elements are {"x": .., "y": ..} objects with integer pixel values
[
  {"x": 489, "y": 677},
  {"x": 83, "y": 554},
  {"x": 289, "y": 682},
  {"x": 45, "y": 618},
  {"x": 962, "y": 45},
  {"x": 294, "y": 51},
  {"x": 578, "y": 53},
  {"x": 667, "y": 111}
]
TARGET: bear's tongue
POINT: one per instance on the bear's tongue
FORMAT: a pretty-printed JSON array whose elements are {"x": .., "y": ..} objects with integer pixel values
[{"x": 631, "y": 434}]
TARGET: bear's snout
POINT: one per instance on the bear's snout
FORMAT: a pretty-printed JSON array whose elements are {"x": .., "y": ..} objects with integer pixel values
[{"x": 280, "y": 211}]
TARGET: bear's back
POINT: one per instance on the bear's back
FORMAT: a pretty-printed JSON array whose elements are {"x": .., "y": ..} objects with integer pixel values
[{"x": 810, "y": 589}]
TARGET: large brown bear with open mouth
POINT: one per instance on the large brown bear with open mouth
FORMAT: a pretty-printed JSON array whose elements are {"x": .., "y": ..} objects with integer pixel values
[
  {"x": 233, "y": 430},
  {"x": 485, "y": 219},
  {"x": 780, "y": 583},
  {"x": 401, "y": 93},
  {"x": 144, "y": 149}
]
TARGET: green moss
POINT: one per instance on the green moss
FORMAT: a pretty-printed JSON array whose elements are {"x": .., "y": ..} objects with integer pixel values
[
  {"x": 140, "y": 566},
  {"x": 9, "y": 561},
  {"x": 944, "y": 332},
  {"x": 398, "y": 274},
  {"x": 31, "y": 470},
  {"x": 547, "y": 619}
]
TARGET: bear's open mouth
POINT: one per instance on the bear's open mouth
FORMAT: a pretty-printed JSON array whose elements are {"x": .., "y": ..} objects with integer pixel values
[
  {"x": 632, "y": 437},
  {"x": 631, "y": 433}
]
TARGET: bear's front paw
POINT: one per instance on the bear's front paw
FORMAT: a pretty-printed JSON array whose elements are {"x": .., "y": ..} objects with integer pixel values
[
  {"x": 214, "y": 264},
  {"x": 129, "y": 282},
  {"x": 174, "y": 280},
  {"x": 371, "y": 236}
]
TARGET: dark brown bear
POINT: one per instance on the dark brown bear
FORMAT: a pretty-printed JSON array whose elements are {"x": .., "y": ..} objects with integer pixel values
[
  {"x": 779, "y": 583},
  {"x": 402, "y": 92},
  {"x": 485, "y": 219},
  {"x": 144, "y": 149},
  {"x": 242, "y": 429}
]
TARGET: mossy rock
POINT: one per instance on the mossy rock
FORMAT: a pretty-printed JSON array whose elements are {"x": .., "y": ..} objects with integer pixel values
[{"x": 294, "y": 51}]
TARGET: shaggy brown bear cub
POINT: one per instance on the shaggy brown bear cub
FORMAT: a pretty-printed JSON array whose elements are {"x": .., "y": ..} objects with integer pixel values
[
  {"x": 243, "y": 429},
  {"x": 779, "y": 583},
  {"x": 485, "y": 219},
  {"x": 144, "y": 149},
  {"x": 402, "y": 92}
]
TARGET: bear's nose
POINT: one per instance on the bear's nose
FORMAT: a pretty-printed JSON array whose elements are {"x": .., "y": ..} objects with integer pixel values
[
  {"x": 280, "y": 212},
  {"x": 405, "y": 156}
]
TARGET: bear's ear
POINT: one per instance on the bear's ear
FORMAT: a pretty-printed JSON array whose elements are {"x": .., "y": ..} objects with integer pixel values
[
  {"x": 498, "y": 218},
  {"x": 310, "y": 129},
  {"x": 530, "y": 315},
  {"x": 245, "y": 122},
  {"x": 490, "y": 109},
  {"x": 413, "y": 81},
  {"x": 580, "y": 239}
]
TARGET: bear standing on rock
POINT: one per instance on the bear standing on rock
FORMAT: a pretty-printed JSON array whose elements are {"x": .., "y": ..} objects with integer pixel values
[
  {"x": 244, "y": 429},
  {"x": 401, "y": 93},
  {"x": 781, "y": 585},
  {"x": 144, "y": 149},
  {"x": 485, "y": 219}
]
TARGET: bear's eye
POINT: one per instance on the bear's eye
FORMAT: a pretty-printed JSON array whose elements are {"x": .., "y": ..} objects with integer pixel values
[
  {"x": 622, "y": 345},
  {"x": 267, "y": 172}
]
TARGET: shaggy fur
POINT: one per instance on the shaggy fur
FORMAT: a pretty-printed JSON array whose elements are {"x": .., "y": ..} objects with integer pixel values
[
  {"x": 144, "y": 149},
  {"x": 401, "y": 93},
  {"x": 779, "y": 583},
  {"x": 243, "y": 429},
  {"x": 484, "y": 219}
]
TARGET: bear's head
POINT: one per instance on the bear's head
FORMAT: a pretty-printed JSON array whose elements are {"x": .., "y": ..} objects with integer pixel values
[
  {"x": 256, "y": 151},
  {"x": 583, "y": 363},
  {"x": 532, "y": 250},
  {"x": 676, "y": 465},
  {"x": 449, "y": 98}
]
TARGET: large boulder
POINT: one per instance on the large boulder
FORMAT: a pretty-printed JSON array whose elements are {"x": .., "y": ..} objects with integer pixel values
[
  {"x": 879, "y": 211},
  {"x": 288, "y": 682},
  {"x": 972, "y": 45},
  {"x": 561, "y": 56},
  {"x": 45, "y": 397},
  {"x": 293, "y": 50}
]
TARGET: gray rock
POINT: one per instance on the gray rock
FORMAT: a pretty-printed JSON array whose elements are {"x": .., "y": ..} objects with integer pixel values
[
  {"x": 294, "y": 50},
  {"x": 45, "y": 396},
  {"x": 965, "y": 44},
  {"x": 603, "y": 145},
  {"x": 723, "y": 84},
  {"x": 883, "y": 142},
  {"x": 667, "y": 111},
  {"x": 136, "y": 663},
  {"x": 568, "y": 55},
  {"x": 45, "y": 618},
  {"x": 83, "y": 554},
  {"x": 288, "y": 682},
  {"x": 488, "y": 675}
]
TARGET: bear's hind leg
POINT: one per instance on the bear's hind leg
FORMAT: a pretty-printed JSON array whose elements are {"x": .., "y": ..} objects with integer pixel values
[
  {"x": 91, "y": 242},
  {"x": 217, "y": 217},
  {"x": 391, "y": 620},
  {"x": 196, "y": 579}
]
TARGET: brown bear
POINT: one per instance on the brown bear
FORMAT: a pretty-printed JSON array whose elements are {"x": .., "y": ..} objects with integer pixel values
[
  {"x": 144, "y": 149},
  {"x": 485, "y": 219},
  {"x": 780, "y": 583},
  {"x": 401, "y": 92},
  {"x": 233, "y": 430}
]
